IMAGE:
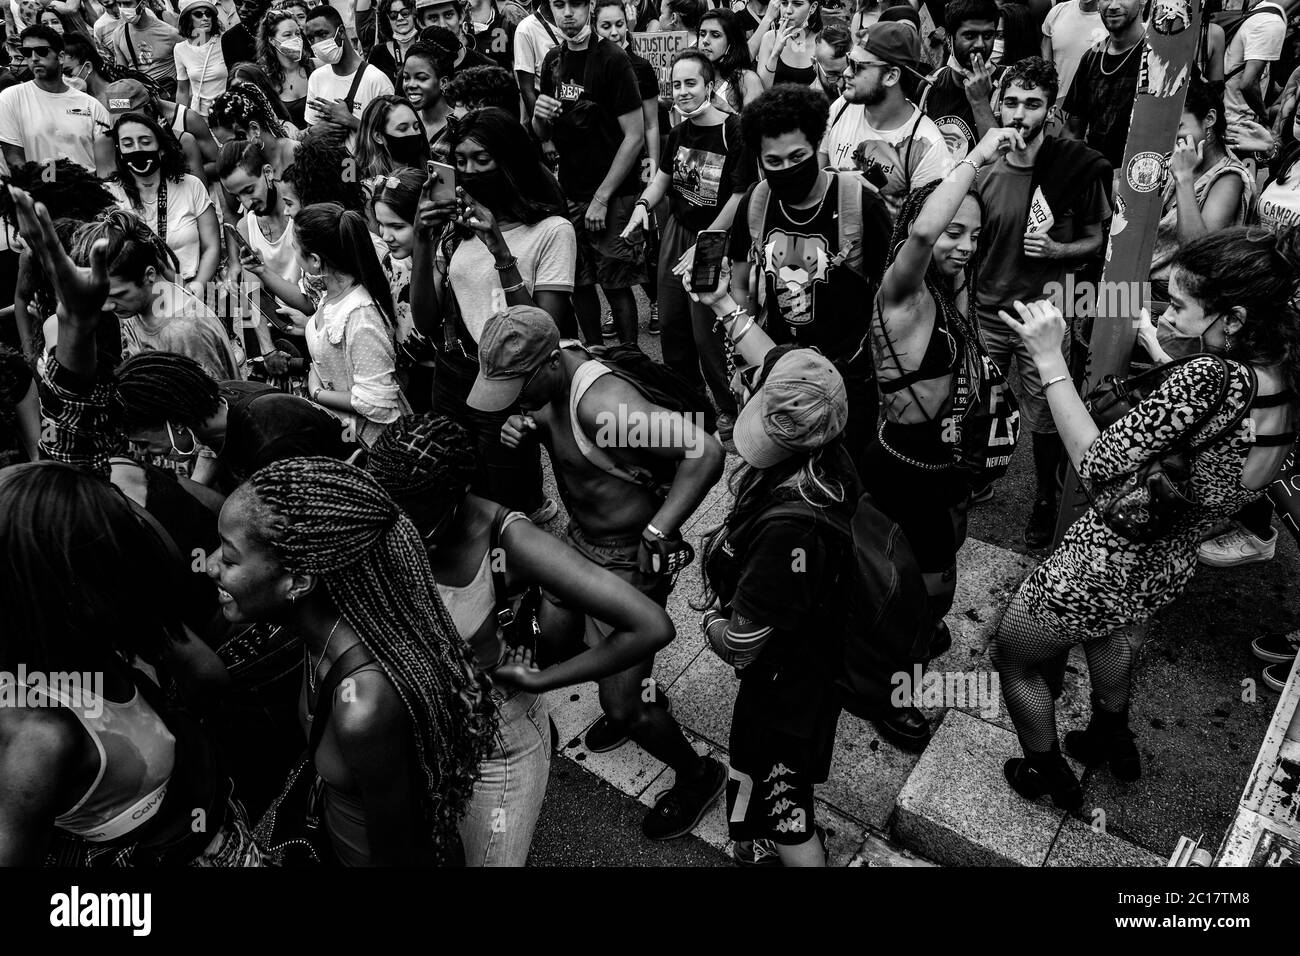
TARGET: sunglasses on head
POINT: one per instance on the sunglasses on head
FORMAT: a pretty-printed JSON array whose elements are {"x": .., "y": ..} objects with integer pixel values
[{"x": 35, "y": 51}]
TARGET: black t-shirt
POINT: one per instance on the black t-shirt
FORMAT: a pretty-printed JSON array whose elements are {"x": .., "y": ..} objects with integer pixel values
[
  {"x": 811, "y": 299},
  {"x": 946, "y": 104},
  {"x": 264, "y": 425},
  {"x": 705, "y": 163},
  {"x": 472, "y": 58},
  {"x": 238, "y": 46},
  {"x": 496, "y": 41},
  {"x": 647, "y": 80},
  {"x": 1101, "y": 96},
  {"x": 596, "y": 86}
]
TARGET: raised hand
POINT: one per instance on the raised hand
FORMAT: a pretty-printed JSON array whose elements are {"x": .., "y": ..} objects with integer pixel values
[{"x": 81, "y": 290}]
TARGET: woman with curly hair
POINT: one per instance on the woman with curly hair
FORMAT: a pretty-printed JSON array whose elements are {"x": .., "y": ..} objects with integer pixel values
[
  {"x": 319, "y": 545},
  {"x": 284, "y": 58},
  {"x": 151, "y": 181}
]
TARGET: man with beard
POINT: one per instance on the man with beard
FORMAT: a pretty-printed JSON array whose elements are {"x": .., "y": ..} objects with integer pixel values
[
  {"x": 1100, "y": 102},
  {"x": 1044, "y": 212},
  {"x": 959, "y": 93},
  {"x": 239, "y": 43},
  {"x": 875, "y": 128}
]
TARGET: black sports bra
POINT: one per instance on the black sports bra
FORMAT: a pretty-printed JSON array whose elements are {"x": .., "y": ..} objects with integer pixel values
[{"x": 942, "y": 353}]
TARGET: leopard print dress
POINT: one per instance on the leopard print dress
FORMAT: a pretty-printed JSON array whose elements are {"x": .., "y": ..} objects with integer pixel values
[{"x": 1097, "y": 580}]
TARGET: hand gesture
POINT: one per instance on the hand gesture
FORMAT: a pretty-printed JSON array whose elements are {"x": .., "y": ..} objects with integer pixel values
[
  {"x": 722, "y": 290},
  {"x": 640, "y": 219},
  {"x": 547, "y": 107},
  {"x": 786, "y": 32},
  {"x": 978, "y": 82},
  {"x": 1249, "y": 137},
  {"x": 516, "y": 429},
  {"x": 478, "y": 218},
  {"x": 81, "y": 290},
  {"x": 1040, "y": 326},
  {"x": 1186, "y": 158},
  {"x": 996, "y": 142},
  {"x": 331, "y": 111},
  {"x": 517, "y": 670}
]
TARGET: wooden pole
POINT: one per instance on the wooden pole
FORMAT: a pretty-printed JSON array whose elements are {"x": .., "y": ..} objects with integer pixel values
[{"x": 1172, "y": 35}]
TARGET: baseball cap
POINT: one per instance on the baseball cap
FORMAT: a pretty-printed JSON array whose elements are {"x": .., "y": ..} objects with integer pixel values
[
  {"x": 801, "y": 406},
  {"x": 427, "y": 4},
  {"x": 125, "y": 96},
  {"x": 897, "y": 44},
  {"x": 902, "y": 13},
  {"x": 514, "y": 344}
]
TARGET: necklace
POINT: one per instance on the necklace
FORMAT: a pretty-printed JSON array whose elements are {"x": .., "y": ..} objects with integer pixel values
[
  {"x": 1101, "y": 64},
  {"x": 311, "y": 669},
  {"x": 785, "y": 210}
]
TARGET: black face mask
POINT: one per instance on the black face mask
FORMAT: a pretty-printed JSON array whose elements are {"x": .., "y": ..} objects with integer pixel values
[
  {"x": 407, "y": 150},
  {"x": 142, "y": 162},
  {"x": 491, "y": 188},
  {"x": 794, "y": 182}
]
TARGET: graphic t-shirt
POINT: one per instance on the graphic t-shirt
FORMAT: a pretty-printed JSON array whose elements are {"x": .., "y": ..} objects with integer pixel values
[
  {"x": 1101, "y": 96},
  {"x": 52, "y": 126},
  {"x": 945, "y": 102},
  {"x": 495, "y": 40},
  {"x": 706, "y": 167},
  {"x": 1005, "y": 191},
  {"x": 811, "y": 297},
  {"x": 147, "y": 46},
  {"x": 892, "y": 160},
  {"x": 595, "y": 86},
  {"x": 1279, "y": 204}
]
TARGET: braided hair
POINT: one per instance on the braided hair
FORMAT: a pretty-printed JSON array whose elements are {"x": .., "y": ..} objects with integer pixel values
[
  {"x": 424, "y": 459},
  {"x": 157, "y": 387},
  {"x": 330, "y": 519},
  {"x": 241, "y": 104}
]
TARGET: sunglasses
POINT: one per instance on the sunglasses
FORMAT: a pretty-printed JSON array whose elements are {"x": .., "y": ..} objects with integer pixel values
[
  {"x": 399, "y": 14},
  {"x": 860, "y": 65},
  {"x": 28, "y": 52}
]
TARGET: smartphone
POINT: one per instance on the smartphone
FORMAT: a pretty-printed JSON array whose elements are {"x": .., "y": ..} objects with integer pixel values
[
  {"x": 240, "y": 242},
  {"x": 707, "y": 267},
  {"x": 444, "y": 186}
]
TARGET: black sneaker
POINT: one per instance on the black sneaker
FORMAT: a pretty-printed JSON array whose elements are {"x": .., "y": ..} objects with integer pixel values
[
  {"x": 1277, "y": 648},
  {"x": 1276, "y": 675},
  {"x": 605, "y": 735},
  {"x": 1042, "y": 523},
  {"x": 981, "y": 495},
  {"x": 654, "y": 319},
  {"x": 678, "y": 811},
  {"x": 607, "y": 326},
  {"x": 763, "y": 852}
]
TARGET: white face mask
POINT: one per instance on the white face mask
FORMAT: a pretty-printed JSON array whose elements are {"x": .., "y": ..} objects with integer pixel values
[
  {"x": 291, "y": 48},
  {"x": 699, "y": 110},
  {"x": 406, "y": 35},
  {"x": 583, "y": 34},
  {"x": 328, "y": 51}
]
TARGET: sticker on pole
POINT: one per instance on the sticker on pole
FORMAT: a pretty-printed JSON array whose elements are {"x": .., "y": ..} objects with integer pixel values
[
  {"x": 1171, "y": 17},
  {"x": 1145, "y": 171}
]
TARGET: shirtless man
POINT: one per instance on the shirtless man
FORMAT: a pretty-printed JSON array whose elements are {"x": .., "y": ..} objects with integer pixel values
[{"x": 620, "y": 517}]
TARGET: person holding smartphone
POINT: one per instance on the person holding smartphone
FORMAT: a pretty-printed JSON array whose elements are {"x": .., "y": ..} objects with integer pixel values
[{"x": 704, "y": 176}]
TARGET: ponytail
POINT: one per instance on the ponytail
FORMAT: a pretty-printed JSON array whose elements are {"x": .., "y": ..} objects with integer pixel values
[{"x": 342, "y": 239}]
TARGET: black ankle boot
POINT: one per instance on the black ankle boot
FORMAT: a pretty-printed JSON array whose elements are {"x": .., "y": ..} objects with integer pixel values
[
  {"x": 1107, "y": 740},
  {"x": 1045, "y": 774}
]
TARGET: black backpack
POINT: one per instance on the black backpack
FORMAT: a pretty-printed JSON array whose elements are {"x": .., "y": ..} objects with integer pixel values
[
  {"x": 1232, "y": 21},
  {"x": 887, "y": 623}
]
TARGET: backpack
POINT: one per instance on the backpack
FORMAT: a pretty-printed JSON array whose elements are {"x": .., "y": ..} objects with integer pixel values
[
  {"x": 660, "y": 385},
  {"x": 1232, "y": 21},
  {"x": 887, "y": 624},
  {"x": 848, "y": 217}
]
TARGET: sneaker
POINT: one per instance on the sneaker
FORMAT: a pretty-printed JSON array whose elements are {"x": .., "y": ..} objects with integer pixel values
[
  {"x": 1236, "y": 548},
  {"x": 605, "y": 735},
  {"x": 678, "y": 811},
  {"x": 545, "y": 513},
  {"x": 607, "y": 325},
  {"x": 726, "y": 430},
  {"x": 654, "y": 319},
  {"x": 1276, "y": 676},
  {"x": 1042, "y": 523},
  {"x": 763, "y": 852},
  {"x": 981, "y": 495},
  {"x": 1277, "y": 648}
]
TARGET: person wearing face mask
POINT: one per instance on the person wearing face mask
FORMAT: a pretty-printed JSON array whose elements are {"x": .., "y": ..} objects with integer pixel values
[
  {"x": 390, "y": 138},
  {"x": 284, "y": 59},
  {"x": 509, "y": 244},
  {"x": 398, "y": 32},
  {"x": 958, "y": 97},
  {"x": 200, "y": 70},
  {"x": 1060, "y": 185},
  {"x": 152, "y": 182},
  {"x": 344, "y": 83},
  {"x": 704, "y": 179},
  {"x": 492, "y": 29},
  {"x": 442, "y": 24},
  {"x": 105, "y": 28},
  {"x": 189, "y": 128},
  {"x": 1235, "y": 411},
  {"x": 145, "y": 42}
]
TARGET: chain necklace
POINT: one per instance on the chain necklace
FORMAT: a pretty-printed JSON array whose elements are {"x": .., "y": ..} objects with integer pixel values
[
  {"x": 1101, "y": 64},
  {"x": 311, "y": 669},
  {"x": 788, "y": 212}
]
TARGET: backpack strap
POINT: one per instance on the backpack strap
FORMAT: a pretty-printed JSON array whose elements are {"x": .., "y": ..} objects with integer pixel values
[
  {"x": 849, "y": 216},
  {"x": 350, "y": 661},
  {"x": 758, "y": 200},
  {"x": 1236, "y": 28},
  {"x": 350, "y": 100},
  {"x": 838, "y": 113},
  {"x": 911, "y": 139},
  {"x": 505, "y": 612}
]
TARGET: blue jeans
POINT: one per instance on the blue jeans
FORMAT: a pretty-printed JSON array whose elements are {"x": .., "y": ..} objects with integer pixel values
[{"x": 507, "y": 798}]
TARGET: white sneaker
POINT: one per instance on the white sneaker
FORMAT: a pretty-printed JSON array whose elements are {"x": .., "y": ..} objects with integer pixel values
[{"x": 1235, "y": 548}]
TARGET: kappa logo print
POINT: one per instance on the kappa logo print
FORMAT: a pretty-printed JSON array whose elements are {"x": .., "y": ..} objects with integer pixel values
[
  {"x": 780, "y": 770},
  {"x": 782, "y": 805},
  {"x": 779, "y": 788}
]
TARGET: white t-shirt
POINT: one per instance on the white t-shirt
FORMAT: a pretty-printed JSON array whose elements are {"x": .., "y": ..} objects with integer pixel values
[
  {"x": 186, "y": 202},
  {"x": 52, "y": 125},
  {"x": 532, "y": 43},
  {"x": 1279, "y": 204},
  {"x": 547, "y": 253},
  {"x": 105, "y": 29},
  {"x": 1259, "y": 38},
  {"x": 205, "y": 68},
  {"x": 324, "y": 82},
  {"x": 887, "y": 150},
  {"x": 1072, "y": 32}
]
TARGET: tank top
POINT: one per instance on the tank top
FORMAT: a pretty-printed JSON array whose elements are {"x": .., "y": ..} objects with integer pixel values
[
  {"x": 280, "y": 256},
  {"x": 136, "y": 755},
  {"x": 472, "y": 604},
  {"x": 797, "y": 75}
]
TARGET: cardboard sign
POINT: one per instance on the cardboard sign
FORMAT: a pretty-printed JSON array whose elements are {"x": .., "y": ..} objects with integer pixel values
[{"x": 659, "y": 49}]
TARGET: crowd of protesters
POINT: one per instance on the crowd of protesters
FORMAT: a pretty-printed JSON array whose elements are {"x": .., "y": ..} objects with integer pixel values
[{"x": 300, "y": 293}]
